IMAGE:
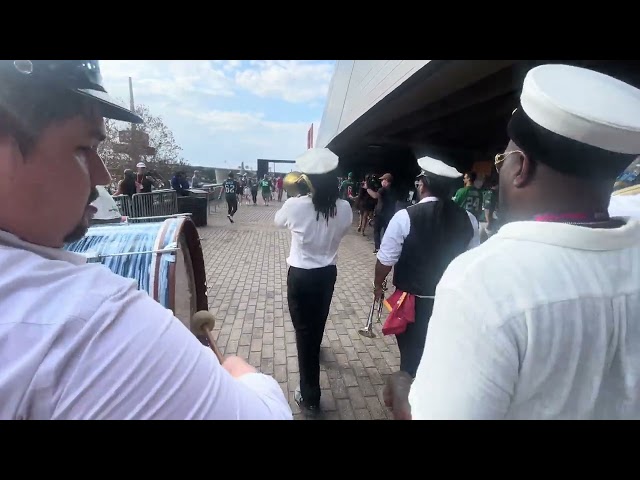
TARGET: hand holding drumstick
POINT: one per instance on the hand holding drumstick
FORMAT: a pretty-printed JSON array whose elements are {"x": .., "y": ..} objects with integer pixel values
[{"x": 203, "y": 322}]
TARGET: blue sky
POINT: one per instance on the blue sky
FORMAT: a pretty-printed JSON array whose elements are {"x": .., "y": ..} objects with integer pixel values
[{"x": 223, "y": 112}]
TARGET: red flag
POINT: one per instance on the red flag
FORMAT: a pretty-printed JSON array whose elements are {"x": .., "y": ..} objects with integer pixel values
[
  {"x": 402, "y": 308},
  {"x": 310, "y": 137}
]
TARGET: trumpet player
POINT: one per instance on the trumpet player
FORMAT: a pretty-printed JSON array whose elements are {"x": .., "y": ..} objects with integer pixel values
[
  {"x": 419, "y": 243},
  {"x": 318, "y": 220}
]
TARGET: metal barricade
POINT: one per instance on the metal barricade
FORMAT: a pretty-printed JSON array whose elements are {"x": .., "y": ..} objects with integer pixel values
[
  {"x": 161, "y": 204},
  {"x": 123, "y": 202},
  {"x": 155, "y": 204},
  {"x": 215, "y": 197}
]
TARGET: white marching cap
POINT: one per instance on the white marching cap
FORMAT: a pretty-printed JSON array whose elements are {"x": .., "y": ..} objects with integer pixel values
[
  {"x": 584, "y": 106},
  {"x": 438, "y": 168},
  {"x": 317, "y": 161},
  {"x": 140, "y": 165}
]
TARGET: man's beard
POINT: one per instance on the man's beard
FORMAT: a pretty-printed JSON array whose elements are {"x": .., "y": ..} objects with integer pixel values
[{"x": 80, "y": 229}]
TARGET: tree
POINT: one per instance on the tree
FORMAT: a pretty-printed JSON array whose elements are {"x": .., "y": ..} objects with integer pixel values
[{"x": 167, "y": 151}]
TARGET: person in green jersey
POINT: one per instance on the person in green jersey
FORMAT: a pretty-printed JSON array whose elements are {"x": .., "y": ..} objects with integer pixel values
[
  {"x": 348, "y": 189},
  {"x": 265, "y": 186},
  {"x": 469, "y": 197}
]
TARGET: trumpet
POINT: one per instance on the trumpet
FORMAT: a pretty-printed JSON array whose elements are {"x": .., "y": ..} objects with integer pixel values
[
  {"x": 367, "y": 331},
  {"x": 296, "y": 183}
]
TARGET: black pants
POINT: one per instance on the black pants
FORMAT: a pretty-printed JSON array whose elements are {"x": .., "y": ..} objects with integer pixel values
[
  {"x": 254, "y": 195},
  {"x": 309, "y": 295},
  {"x": 380, "y": 223},
  {"x": 411, "y": 342},
  {"x": 232, "y": 204}
]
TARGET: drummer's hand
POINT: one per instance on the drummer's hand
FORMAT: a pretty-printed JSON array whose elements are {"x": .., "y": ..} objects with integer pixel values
[
  {"x": 396, "y": 395},
  {"x": 237, "y": 367}
]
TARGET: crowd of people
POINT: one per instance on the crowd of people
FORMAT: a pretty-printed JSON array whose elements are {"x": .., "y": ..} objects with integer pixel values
[
  {"x": 376, "y": 201},
  {"x": 144, "y": 181}
]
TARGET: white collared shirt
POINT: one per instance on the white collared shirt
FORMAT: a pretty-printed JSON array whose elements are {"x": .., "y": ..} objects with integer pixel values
[
  {"x": 399, "y": 228},
  {"x": 314, "y": 243},
  {"x": 542, "y": 321},
  {"x": 80, "y": 342}
]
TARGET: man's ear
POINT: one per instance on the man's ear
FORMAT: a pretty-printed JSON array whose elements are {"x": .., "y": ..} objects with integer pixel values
[{"x": 525, "y": 173}]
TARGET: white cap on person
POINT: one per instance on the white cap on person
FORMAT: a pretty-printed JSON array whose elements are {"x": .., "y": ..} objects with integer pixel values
[
  {"x": 578, "y": 121},
  {"x": 141, "y": 165},
  {"x": 316, "y": 161},
  {"x": 434, "y": 167}
]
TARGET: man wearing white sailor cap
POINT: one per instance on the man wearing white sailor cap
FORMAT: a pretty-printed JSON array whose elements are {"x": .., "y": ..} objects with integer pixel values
[
  {"x": 419, "y": 243},
  {"x": 542, "y": 321},
  {"x": 318, "y": 222}
]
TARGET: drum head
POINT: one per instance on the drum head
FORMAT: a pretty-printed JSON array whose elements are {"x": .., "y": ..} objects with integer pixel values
[{"x": 165, "y": 258}]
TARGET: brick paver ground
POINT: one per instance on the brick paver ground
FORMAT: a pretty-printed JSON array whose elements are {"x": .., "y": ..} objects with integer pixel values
[{"x": 247, "y": 277}]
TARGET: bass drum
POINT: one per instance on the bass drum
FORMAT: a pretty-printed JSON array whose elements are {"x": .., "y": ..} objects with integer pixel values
[{"x": 165, "y": 258}]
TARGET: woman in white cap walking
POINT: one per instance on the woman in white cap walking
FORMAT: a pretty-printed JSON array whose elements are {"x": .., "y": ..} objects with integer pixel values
[{"x": 318, "y": 221}]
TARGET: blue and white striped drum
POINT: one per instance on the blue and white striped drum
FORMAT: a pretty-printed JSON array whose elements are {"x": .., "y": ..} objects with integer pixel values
[{"x": 164, "y": 257}]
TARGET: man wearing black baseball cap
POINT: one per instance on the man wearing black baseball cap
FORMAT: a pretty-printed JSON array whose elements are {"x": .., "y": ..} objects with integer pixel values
[{"x": 78, "y": 341}]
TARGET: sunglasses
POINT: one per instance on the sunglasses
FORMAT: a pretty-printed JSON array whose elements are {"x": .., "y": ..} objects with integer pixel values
[{"x": 501, "y": 157}]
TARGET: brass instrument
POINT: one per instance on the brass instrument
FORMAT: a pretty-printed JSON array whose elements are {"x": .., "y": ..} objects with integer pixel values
[
  {"x": 296, "y": 183},
  {"x": 367, "y": 331}
]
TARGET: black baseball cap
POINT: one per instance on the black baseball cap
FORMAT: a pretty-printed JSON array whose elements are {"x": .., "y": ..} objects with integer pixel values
[{"x": 80, "y": 76}]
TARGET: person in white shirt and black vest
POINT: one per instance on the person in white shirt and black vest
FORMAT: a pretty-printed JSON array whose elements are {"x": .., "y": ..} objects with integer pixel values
[
  {"x": 318, "y": 222},
  {"x": 419, "y": 244}
]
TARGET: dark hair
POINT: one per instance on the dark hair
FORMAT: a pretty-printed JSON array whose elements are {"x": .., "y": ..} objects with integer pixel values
[
  {"x": 27, "y": 108},
  {"x": 325, "y": 195},
  {"x": 436, "y": 186},
  {"x": 230, "y": 174},
  {"x": 472, "y": 176}
]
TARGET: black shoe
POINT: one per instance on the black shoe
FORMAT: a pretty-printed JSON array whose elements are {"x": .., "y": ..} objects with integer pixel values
[
  {"x": 230, "y": 218},
  {"x": 311, "y": 408}
]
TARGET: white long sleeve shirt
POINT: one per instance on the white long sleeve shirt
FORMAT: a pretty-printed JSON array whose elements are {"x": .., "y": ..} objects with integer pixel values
[
  {"x": 399, "y": 228},
  {"x": 542, "y": 321},
  {"x": 314, "y": 243},
  {"x": 80, "y": 342}
]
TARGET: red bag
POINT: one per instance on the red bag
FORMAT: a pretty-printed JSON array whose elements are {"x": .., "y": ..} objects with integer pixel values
[{"x": 402, "y": 307}]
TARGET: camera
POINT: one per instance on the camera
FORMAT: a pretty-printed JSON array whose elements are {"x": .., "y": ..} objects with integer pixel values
[{"x": 373, "y": 182}]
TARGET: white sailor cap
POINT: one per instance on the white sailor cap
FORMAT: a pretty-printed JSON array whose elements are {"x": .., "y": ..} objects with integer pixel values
[
  {"x": 141, "y": 165},
  {"x": 431, "y": 166},
  {"x": 317, "y": 161},
  {"x": 577, "y": 121}
]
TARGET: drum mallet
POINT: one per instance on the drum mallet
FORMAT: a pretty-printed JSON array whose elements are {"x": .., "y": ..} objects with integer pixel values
[{"x": 203, "y": 322}]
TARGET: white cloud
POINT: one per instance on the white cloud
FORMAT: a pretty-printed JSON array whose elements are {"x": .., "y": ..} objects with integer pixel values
[
  {"x": 291, "y": 80},
  {"x": 197, "y": 99},
  {"x": 239, "y": 133},
  {"x": 170, "y": 78}
]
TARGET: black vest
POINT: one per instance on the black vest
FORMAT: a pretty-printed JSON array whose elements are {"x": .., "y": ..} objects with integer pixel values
[{"x": 440, "y": 231}]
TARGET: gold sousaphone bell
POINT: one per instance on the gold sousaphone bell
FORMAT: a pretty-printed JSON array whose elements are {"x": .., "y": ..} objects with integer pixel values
[{"x": 296, "y": 183}]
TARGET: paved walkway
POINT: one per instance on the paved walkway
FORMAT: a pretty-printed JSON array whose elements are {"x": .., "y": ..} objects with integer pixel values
[{"x": 247, "y": 278}]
